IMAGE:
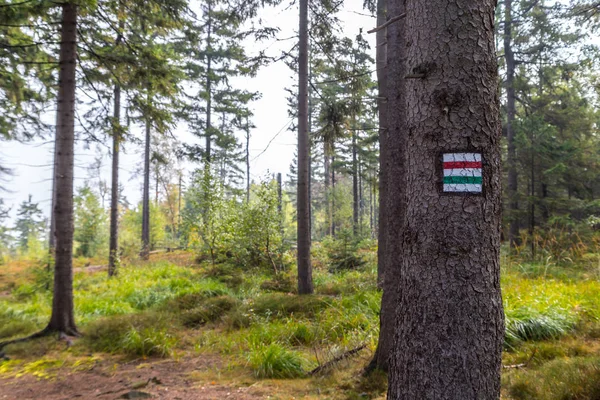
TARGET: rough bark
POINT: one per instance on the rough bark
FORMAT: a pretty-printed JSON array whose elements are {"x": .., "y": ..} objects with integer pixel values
[
  {"x": 113, "y": 257},
  {"x": 450, "y": 331},
  {"x": 513, "y": 204},
  {"x": 62, "y": 318},
  {"x": 305, "y": 284},
  {"x": 393, "y": 173}
]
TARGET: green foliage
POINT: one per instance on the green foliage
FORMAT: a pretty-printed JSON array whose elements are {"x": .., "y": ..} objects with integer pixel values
[
  {"x": 30, "y": 227},
  {"x": 144, "y": 334},
  {"x": 343, "y": 253},
  {"x": 210, "y": 310},
  {"x": 285, "y": 305},
  {"x": 275, "y": 361},
  {"x": 91, "y": 223},
  {"x": 131, "y": 228},
  {"x": 248, "y": 235},
  {"x": 526, "y": 324}
]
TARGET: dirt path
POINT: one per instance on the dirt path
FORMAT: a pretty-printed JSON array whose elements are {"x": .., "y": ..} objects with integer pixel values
[{"x": 157, "y": 379}]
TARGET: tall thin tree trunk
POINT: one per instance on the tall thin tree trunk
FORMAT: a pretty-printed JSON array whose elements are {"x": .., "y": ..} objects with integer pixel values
[
  {"x": 512, "y": 192},
  {"x": 333, "y": 192},
  {"x": 113, "y": 257},
  {"x": 360, "y": 199},
  {"x": 449, "y": 328},
  {"x": 208, "y": 87},
  {"x": 62, "y": 318},
  {"x": 305, "y": 283},
  {"x": 145, "y": 253},
  {"x": 354, "y": 178},
  {"x": 326, "y": 166},
  {"x": 247, "y": 161},
  {"x": 381, "y": 62}
]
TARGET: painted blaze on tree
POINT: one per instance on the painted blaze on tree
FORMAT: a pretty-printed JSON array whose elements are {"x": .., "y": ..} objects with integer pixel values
[{"x": 463, "y": 173}]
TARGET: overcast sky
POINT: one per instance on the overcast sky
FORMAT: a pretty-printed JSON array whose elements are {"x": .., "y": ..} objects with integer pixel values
[{"x": 32, "y": 162}]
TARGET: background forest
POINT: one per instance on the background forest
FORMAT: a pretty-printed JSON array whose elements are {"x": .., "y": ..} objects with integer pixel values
[{"x": 204, "y": 266}]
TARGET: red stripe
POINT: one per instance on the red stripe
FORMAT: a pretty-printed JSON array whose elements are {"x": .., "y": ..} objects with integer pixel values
[{"x": 462, "y": 164}]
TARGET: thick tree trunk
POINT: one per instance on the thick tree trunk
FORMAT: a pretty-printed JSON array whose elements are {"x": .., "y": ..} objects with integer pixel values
[
  {"x": 62, "y": 318},
  {"x": 381, "y": 62},
  {"x": 393, "y": 143},
  {"x": 449, "y": 336},
  {"x": 333, "y": 193},
  {"x": 145, "y": 253},
  {"x": 113, "y": 257},
  {"x": 305, "y": 283},
  {"x": 513, "y": 204}
]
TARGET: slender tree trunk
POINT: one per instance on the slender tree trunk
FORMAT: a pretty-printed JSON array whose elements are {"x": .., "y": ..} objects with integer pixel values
[
  {"x": 113, "y": 258},
  {"x": 333, "y": 193},
  {"x": 513, "y": 204},
  {"x": 360, "y": 199},
  {"x": 145, "y": 253},
  {"x": 62, "y": 318},
  {"x": 354, "y": 179},
  {"x": 392, "y": 172},
  {"x": 208, "y": 87},
  {"x": 305, "y": 283},
  {"x": 247, "y": 161},
  {"x": 381, "y": 62},
  {"x": 450, "y": 330},
  {"x": 328, "y": 186}
]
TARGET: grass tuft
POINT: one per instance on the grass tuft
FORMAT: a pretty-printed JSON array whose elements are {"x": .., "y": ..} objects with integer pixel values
[{"x": 275, "y": 361}]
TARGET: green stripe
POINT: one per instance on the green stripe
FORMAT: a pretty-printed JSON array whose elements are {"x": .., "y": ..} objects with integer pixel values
[{"x": 463, "y": 179}]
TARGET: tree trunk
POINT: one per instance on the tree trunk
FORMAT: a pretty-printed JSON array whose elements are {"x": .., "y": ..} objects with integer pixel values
[
  {"x": 145, "y": 253},
  {"x": 354, "y": 179},
  {"x": 393, "y": 143},
  {"x": 381, "y": 62},
  {"x": 247, "y": 161},
  {"x": 333, "y": 192},
  {"x": 449, "y": 328},
  {"x": 512, "y": 192},
  {"x": 327, "y": 186},
  {"x": 62, "y": 318},
  {"x": 113, "y": 254},
  {"x": 113, "y": 258},
  {"x": 305, "y": 284},
  {"x": 208, "y": 87}
]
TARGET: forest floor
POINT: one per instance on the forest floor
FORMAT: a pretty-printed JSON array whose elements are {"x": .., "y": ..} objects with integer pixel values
[{"x": 174, "y": 328}]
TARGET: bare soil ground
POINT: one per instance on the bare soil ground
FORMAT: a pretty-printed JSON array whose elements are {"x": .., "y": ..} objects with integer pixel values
[{"x": 161, "y": 379}]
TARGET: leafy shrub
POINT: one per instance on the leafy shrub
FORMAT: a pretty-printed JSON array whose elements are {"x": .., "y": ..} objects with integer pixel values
[{"x": 274, "y": 361}]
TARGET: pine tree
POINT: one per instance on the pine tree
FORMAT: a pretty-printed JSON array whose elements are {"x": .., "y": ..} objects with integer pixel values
[{"x": 452, "y": 230}]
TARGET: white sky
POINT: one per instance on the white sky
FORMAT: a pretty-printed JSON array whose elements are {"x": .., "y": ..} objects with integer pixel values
[{"x": 32, "y": 162}]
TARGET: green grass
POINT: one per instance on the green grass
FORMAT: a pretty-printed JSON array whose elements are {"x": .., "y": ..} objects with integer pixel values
[
  {"x": 275, "y": 361},
  {"x": 255, "y": 321}
]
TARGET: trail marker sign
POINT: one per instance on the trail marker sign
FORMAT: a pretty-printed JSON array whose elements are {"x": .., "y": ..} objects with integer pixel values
[{"x": 463, "y": 173}]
